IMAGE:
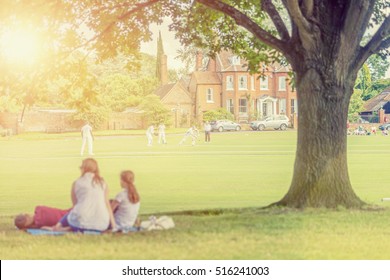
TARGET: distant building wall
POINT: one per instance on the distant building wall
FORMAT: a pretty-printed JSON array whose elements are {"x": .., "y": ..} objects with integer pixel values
[
  {"x": 52, "y": 121},
  {"x": 125, "y": 121},
  {"x": 36, "y": 121}
]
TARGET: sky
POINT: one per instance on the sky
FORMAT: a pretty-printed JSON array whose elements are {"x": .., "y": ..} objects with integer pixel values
[{"x": 171, "y": 45}]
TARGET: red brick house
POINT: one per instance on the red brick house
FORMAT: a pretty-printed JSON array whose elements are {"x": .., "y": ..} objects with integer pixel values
[
  {"x": 225, "y": 82},
  {"x": 249, "y": 96}
]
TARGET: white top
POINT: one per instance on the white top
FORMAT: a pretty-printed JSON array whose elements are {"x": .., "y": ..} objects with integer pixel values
[
  {"x": 86, "y": 131},
  {"x": 127, "y": 212},
  {"x": 90, "y": 210},
  {"x": 150, "y": 130},
  {"x": 207, "y": 127},
  {"x": 161, "y": 128}
]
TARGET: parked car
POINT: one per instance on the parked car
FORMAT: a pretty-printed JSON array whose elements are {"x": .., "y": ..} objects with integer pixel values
[
  {"x": 276, "y": 122},
  {"x": 385, "y": 126},
  {"x": 221, "y": 125}
]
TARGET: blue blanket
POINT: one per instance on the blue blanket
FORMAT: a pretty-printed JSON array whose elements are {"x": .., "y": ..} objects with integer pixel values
[{"x": 34, "y": 231}]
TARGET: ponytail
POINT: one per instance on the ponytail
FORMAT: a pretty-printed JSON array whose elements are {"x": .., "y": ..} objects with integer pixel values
[{"x": 128, "y": 178}]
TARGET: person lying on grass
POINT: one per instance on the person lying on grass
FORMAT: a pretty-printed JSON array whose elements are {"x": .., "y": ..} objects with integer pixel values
[
  {"x": 126, "y": 203},
  {"x": 91, "y": 208},
  {"x": 43, "y": 216}
]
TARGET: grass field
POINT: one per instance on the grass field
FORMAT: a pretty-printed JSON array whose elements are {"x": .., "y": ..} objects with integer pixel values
[{"x": 213, "y": 191}]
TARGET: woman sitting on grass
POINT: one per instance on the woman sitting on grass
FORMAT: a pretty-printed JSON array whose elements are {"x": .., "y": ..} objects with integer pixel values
[
  {"x": 91, "y": 208},
  {"x": 127, "y": 203}
]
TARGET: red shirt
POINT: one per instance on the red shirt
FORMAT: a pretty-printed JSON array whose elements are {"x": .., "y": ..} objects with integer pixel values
[{"x": 48, "y": 216}]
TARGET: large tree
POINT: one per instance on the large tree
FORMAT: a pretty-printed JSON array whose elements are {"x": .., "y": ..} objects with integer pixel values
[{"x": 320, "y": 39}]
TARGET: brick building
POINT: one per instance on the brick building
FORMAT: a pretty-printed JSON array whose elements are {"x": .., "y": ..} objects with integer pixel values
[
  {"x": 224, "y": 82},
  {"x": 249, "y": 96}
]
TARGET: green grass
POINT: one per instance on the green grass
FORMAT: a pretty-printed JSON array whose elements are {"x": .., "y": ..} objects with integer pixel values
[{"x": 236, "y": 173}]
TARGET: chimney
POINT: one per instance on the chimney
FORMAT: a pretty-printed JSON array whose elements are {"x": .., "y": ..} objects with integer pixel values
[
  {"x": 212, "y": 65},
  {"x": 199, "y": 60}
]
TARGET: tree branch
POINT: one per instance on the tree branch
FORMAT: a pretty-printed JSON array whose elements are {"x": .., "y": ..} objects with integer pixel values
[
  {"x": 378, "y": 42},
  {"x": 118, "y": 19},
  {"x": 308, "y": 8},
  {"x": 270, "y": 9},
  {"x": 303, "y": 25},
  {"x": 356, "y": 21},
  {"x": 246, "y": 22},
  {"x": 384, "y": 45}
]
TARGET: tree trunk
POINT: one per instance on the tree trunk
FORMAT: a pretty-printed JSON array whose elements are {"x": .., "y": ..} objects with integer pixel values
[{"x": 320, "y": 176}]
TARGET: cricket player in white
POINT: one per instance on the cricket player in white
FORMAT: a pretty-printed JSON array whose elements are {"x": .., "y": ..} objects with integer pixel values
[
  {"x": 149, "y": 135},
  {"x": 161, "y": 134},
  {"x": 87, "y": 136},
  {"x": 191, "y": 132}
]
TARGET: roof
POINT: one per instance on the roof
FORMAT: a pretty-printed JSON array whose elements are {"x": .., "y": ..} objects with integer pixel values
[
  {"x": 206, "y": 78},
  {"x": 185, "y": 81},
  {"x": 163, "y": 90},
  {"x": 377, "y": 102},
  {"x": 226, "y": 58}
]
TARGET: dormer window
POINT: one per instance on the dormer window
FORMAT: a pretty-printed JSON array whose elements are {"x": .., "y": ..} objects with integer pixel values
[{"x": 235, "y": 60}]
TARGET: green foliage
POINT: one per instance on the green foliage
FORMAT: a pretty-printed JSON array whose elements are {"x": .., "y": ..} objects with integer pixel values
[
  {"x": 221, "y": 32},
  {"x": 369, "y": 87},
  {"x": 219, "y": 114},
  {"x": 95, "y": 115},
  {"x": 119, "y": 91},
  {"x": 355, "y": 106},
  {"x": 154, "y": 111},
  {"x": 174, "y": 75},
  {"x": 379, "y": 85},
  {"x": 8, "y": 104},
  {"x": 363, "y": 82},
  {"x": 378, "y": 66}
]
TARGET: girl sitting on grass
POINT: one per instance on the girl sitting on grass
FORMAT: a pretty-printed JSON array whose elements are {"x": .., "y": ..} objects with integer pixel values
[
  {"x": 127, "y": 203},
  {"x": 91, "y": 208}
]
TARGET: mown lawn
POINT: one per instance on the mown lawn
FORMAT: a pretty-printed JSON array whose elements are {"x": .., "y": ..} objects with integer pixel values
[{"x": 213, "y": 191}]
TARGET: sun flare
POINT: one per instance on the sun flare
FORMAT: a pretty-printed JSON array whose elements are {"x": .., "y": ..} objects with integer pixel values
[{"x": 19, "y": 46}]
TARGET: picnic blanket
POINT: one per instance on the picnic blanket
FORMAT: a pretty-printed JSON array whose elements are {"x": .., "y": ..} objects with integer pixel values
[
  {"x": 153, "y": 223},
  {"x": 35, "y": 231}
]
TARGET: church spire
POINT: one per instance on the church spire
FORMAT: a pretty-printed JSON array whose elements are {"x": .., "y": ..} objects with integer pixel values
[{"x": 161, "y": 67}]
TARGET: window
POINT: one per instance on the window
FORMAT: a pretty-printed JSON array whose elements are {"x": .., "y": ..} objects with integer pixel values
[
  {"x": 252, "y": 83},
  {"x": 234, "y": 60},
  {"x": 242, "y": 108},
  {"x": 230, "y": 106},
  {"x": 294, "y": 108},
  {"x": 243, "y": 82},
  {"x": 229, "y": 83},
  {"x": 210, "y": 95},
  {"x": 282, "y": 83},
  {"x": 264, "y": 83},
  {"x": 282, "y": 106}
]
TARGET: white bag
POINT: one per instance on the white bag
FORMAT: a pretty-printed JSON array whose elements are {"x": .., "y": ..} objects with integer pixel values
[{"x": 163, "y": 222}]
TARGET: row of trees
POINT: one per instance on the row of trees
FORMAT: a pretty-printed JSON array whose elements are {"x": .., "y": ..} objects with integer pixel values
[{"x": 94, "y": 89}]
